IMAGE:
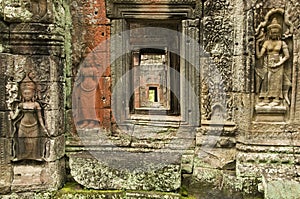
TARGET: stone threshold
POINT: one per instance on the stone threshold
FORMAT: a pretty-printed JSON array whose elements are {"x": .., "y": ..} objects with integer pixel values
[{"x": 75, "y": 191}]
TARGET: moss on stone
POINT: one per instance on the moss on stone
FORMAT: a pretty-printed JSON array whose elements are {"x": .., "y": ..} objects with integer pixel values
[
  {"x": 75, "y": 190},
  {"x": 68, "y": 39},
  {"x": 187, "y": 197},
  {"x": 184, "y": 193}
]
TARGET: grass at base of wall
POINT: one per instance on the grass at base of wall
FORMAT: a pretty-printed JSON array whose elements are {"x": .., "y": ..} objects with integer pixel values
[{"x": 73, "y": 187}]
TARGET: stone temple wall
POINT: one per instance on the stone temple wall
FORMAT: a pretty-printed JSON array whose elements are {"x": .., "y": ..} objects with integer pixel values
[
  {"x": 33, "y": 62},
  {"x": 150, "y": 98}
]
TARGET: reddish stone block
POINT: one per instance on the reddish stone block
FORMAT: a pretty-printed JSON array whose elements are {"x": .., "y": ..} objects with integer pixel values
[
  {"x": 104, "y": 116},
  {"x": 106, "y": 71},
  {"x": 99, "y": 60},
  {"x": 102, "y": 62},
  {"x": 104, "y": 83},
  {"x": 104, "y": 98},
  {"x": 95, "y": 12},
  {"x": 104, "y": 93},
  {"x": 97, "y": 37}
]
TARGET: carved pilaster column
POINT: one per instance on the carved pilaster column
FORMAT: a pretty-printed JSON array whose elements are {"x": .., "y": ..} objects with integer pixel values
[
  {"x": 33, "y": 58},
  {"x": 190, "y": 70},
  {"x": 267, "y": 149},
  {"x": 215, "y": 140},
  {"x": 5, "y": 146},
  {"x": 120, "y": 64}
]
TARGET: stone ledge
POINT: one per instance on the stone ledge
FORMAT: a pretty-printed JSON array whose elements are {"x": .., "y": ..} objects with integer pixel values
[{"x": 270, "y": 113}]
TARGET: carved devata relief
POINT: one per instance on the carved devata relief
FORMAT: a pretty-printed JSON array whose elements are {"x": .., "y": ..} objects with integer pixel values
[
  {"x": 86, "y": 85},
  {"x": 273, "y": 71},
  {"x": 26, "y": 115}
]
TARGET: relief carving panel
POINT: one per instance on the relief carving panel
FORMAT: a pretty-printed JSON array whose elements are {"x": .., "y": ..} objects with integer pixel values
[
  {"x": 293, "y": 12},
  {"x": 218, "y": 41},
  {"x": 274, "y": 66},
  {"x": 28, "y": 131},
  {"x": 84, "y": 100},
  {"x": 5, "y": 167}
]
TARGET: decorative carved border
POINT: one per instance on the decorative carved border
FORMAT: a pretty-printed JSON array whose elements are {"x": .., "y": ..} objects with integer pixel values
[{"x": 149, "y": 9}]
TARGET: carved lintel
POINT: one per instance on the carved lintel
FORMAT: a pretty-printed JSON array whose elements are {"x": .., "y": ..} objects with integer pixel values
[{"x": 150, "y": 9}]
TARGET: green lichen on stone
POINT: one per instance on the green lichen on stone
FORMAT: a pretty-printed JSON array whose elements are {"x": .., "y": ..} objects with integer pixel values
[
  {"x": 68, "y": 39},
  {"x": 76, "y": 188},
  {"x": 16, "y": 11},
  {"x": 187, "y": 197},
  {"x": 46, "y": 195},
  {"x": 184, "y": 194},
  {"x": 142, "y": 172},
  {"x": 282, "y": 189},
  {"x": 218, "y": 184}
]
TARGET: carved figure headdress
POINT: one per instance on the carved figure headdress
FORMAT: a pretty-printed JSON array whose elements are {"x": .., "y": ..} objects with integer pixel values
[
  {"x": 274, "y": 24},
  {"x": 27, "y": 84}
]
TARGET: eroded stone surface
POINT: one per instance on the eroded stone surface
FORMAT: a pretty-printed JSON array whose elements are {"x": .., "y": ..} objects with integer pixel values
[
  {"x": 125, "y": 170},
  {"x": 282, "y": 189},
  {"x": 105, "y": 194},
  {"x": 30, "y": 176}
]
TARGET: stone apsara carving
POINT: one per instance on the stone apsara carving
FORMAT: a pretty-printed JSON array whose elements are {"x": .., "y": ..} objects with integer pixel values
[
  {"x": 39, "y": 70},
  {"x": 273, "y": 71},
  {"x": 27, "y": 122},
  {"x": 86, "y": 85},
  {"x": 26, "y": 102}
]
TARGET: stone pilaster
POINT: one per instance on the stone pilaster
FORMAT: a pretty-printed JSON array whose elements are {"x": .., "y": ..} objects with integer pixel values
[{"x": 32, "y": 60}]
